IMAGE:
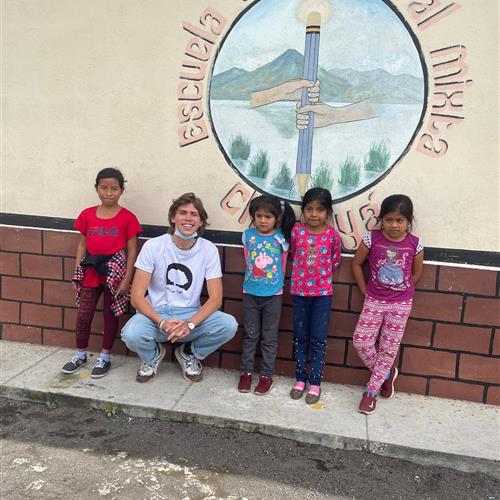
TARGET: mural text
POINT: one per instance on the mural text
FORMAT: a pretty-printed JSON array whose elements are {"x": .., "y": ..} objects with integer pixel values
[{"x": 190, "y": 90}]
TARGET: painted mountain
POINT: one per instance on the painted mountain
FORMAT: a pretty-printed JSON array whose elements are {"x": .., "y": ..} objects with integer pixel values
[{"x": 337, "y": 85}]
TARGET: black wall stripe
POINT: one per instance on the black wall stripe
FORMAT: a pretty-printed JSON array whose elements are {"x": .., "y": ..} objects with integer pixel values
[{"x": 448, "y": 255}]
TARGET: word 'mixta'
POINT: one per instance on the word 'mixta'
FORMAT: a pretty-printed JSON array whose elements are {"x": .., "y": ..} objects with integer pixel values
[
  {"x": 449, "y": 82},
  {"x": 448, "y": 79},
  {"x": 192, "y": 125}
]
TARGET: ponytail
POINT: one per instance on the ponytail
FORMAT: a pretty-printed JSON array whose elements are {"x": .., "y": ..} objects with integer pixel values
[{"x": 287, "y": 220}]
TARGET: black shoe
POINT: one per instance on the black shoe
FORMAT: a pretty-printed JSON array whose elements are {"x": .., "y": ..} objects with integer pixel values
[
  {"x": 100, "y": 368},
  {"x": 74, "y": 364}
]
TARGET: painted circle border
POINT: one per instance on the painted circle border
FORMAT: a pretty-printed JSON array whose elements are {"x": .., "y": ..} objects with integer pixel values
[{"x": 425, "y": 72}]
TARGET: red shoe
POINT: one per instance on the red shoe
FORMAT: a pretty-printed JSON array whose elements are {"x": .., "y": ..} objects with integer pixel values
[
  {"x": 264, "y": 386},
  {"x": 368, "y": 403},
  {"x": 245, "y": 383},
  {"x": 387, "y": 389}
]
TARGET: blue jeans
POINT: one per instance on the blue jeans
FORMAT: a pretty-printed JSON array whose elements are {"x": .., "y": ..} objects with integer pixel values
[
  {"x": 311, "y": 317},
  {"x": 141, "y": 334}
]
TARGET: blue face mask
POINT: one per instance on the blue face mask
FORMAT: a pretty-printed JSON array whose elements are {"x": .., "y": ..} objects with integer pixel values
[{"x": 185, "y": 237}]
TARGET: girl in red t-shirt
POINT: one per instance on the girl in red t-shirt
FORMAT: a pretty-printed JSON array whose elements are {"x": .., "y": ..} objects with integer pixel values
[{"x": 104, "y": 264}]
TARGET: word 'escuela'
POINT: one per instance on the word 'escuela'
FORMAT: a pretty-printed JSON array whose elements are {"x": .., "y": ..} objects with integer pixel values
[{"x": 192, "y": 125}]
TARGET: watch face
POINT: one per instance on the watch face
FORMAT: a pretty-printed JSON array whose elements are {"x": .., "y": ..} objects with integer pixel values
[{"x": 191, "y": 326}]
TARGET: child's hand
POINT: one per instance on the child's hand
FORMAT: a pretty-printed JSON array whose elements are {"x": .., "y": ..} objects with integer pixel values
[{"x": 123, "y": 288}]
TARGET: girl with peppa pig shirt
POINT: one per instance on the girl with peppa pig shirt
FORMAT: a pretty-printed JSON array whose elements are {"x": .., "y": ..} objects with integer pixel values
[{"x": 265, "y": 245}]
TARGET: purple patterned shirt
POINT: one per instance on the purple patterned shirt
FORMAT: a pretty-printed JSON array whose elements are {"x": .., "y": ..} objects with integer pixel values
[{"x": 391, "y": 265}]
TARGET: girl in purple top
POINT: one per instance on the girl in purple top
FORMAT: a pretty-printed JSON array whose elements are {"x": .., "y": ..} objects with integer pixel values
[
  {"x": 395, "y": 259},
  {"x": 315, "y": 247}
]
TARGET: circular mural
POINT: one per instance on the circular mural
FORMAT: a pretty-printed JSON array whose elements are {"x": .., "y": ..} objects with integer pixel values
[{"x": 309, "y": 93}]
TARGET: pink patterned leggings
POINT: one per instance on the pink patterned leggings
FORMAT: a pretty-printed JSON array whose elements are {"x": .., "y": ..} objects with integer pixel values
[{"x": 388, "y": 318}]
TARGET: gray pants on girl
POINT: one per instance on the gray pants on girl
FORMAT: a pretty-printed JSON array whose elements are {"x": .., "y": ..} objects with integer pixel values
[{"x": 262, "y": 317}]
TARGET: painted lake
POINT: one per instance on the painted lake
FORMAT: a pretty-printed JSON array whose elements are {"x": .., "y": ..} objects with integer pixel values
[{"x": 272, "y": 129}]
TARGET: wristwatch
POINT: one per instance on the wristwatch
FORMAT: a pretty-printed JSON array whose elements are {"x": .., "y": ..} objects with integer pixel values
[{"x": 190, "y": 325}]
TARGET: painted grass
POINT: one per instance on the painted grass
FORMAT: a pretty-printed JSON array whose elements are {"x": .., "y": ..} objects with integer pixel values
[
  {"x": 349, "y": 172},
  {"x": 259, "y": 165},
  {"x": 283, "y": 179},
  {"x": 323, "y": 176},
  {"x": 377, "y": 159},
  {"x": 240, "y": 148}
]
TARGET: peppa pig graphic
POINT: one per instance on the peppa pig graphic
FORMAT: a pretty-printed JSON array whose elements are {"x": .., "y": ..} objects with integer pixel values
[{"x": 261, "y": 261}]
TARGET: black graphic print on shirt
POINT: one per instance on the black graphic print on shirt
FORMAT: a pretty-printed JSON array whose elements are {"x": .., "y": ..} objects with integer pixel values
[{"x": 178, "y": 275}]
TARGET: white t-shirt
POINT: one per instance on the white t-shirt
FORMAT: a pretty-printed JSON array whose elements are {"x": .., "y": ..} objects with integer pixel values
[{"x": 178, "y": 275}]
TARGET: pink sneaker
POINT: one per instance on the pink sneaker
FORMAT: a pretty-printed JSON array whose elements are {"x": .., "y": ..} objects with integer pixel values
[
  {"x": 368, "y": 403},
  {"x": 387, "y": 389},
  {"x": 264, "y": 386},
  {"x": 313, "y": 394},
  {"x": 297, "y": 390},
  {"x": 245, "y": 383}
]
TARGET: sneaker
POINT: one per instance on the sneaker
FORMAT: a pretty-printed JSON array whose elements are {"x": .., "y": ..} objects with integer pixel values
[
  {"x": 387, "y": 389},
  {"x": 190, "y": 364},
  {"x": 100, "y": 368},
  {"x": 146, "y": 371},
  {"x": 74, "y": 364},
  {"x": 245, "y": 383},
  {"x": 264, "y": 386},
  {"x": 313, "y": 394},
  {"x": 297, "y": 390},
  {"x": 368, "y": 403}
]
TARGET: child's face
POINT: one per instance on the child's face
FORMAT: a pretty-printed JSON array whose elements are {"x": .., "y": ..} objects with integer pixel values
[
  {"x": 395, "y": 226},
  {"x": 264, "y": 221},
  {"x": 315, "y": 215},
  {"x": 109, "y": 191},
  {"x": 187, "y": 219}
]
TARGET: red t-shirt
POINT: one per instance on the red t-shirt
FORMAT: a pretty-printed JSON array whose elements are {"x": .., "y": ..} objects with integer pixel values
[{"x": 105, "y": 236}]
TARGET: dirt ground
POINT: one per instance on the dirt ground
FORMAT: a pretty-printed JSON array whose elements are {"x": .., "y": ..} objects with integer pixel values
[{"x": 80, "y": 453}]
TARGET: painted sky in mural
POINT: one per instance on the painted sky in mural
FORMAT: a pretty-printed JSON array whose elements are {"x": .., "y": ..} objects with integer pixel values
[{"x": 362, "y": 110}]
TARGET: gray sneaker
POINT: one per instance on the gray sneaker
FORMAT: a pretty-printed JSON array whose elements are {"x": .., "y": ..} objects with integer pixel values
[
  {"x": 146, "y": 371},
  {"x": 190, "y": 364},
  {"x": 100, "y": 369},
  {"x": 74, "y": 364}
]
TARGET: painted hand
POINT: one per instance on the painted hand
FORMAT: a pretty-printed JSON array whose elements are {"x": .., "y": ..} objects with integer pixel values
[
  {"x": 286, "y": 91},
  {"x": 325, "y": 115}
]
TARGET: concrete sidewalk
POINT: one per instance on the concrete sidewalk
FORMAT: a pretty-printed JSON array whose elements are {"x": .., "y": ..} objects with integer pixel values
[{"x": 434, "y": 431}]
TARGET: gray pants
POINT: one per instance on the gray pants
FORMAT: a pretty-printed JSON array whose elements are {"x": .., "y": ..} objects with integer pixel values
[{"x": 262, "y": 317}]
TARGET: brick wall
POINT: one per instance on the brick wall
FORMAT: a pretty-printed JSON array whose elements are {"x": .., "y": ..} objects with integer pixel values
[{"x": 451, "y": 347}]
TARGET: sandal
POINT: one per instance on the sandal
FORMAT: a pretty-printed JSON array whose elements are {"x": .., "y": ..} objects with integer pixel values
[
  {"x": 313, "y": 394},
  {"x": 297, "y": 390}
]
